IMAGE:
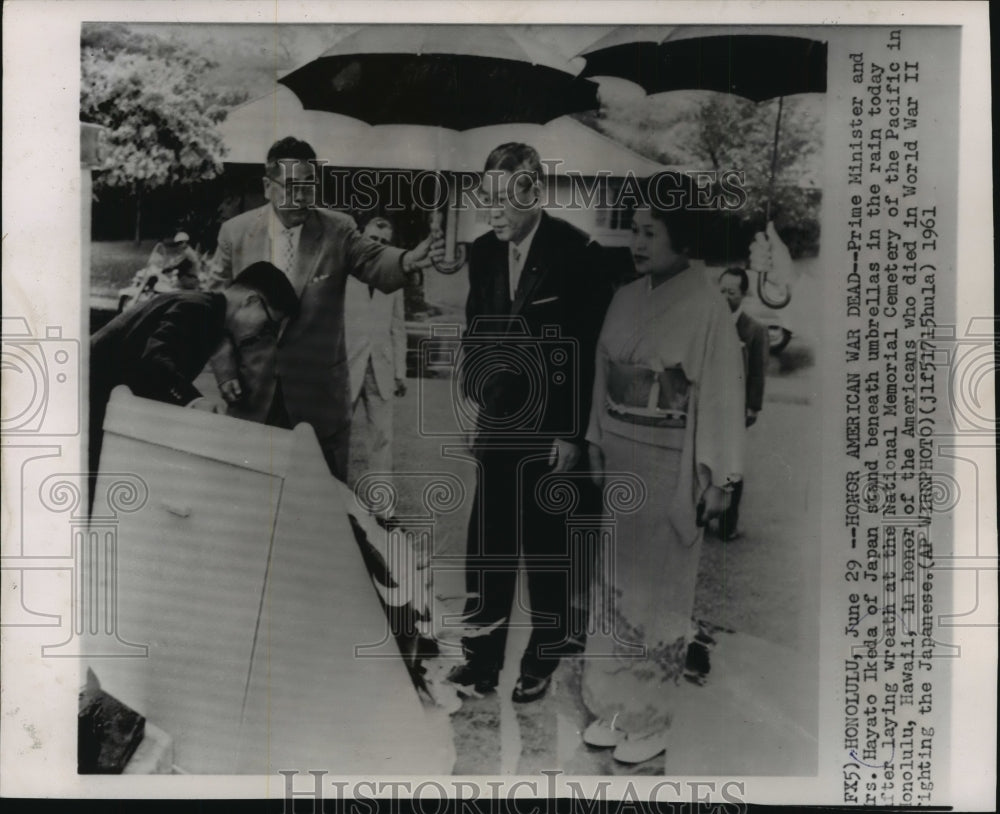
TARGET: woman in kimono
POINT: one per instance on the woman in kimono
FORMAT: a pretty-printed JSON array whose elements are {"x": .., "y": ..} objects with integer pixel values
[{"x": 666, "y": 431}]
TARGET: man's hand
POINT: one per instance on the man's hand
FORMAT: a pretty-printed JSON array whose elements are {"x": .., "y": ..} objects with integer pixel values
[
  {"x": 768, "y": 253},
  {"x": 400, "y": 387},
  {"x": 231, "y": 391},
  {"x": 716, "y": 502},
  {"x": 751, "y": 417},
  {"x": 564, "y": 455},
  {"x": 427, "y": 253},
  {"x": 595, "y": 456}
]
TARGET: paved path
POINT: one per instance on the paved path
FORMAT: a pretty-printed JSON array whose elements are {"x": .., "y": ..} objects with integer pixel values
[{"x": 756, "y": 715}]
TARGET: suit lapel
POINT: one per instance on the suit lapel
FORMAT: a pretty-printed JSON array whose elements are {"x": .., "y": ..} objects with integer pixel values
[
  {"x": 499, "y": 280},
  {"x": 742, "y": 328},
  {"x": 535, "y": 267},
  {"x": 257, "y": 245},
  {"x": 307, "y": 256}
]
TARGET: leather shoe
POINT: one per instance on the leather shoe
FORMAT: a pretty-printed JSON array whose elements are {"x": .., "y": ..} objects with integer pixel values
[
  {"x": 465, "y": 677},
  {"x": 697, "y": 664},
  {"x": 529, "y": 688}
]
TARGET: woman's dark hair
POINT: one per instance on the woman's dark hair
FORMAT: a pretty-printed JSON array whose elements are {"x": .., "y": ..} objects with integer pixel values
[
  {"x": 669, "y": 197},
  {"x": 739, "y": 274}
]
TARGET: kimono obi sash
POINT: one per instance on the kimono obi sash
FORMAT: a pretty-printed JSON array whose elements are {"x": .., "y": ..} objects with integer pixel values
[{"x": 642, "y": 395}]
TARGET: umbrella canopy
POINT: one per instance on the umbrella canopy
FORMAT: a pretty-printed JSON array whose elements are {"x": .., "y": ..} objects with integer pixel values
[
  {"x": 453, "y": 76},
  {"x": 250, "y": 129},
  {"x": 730, "y": 59}
]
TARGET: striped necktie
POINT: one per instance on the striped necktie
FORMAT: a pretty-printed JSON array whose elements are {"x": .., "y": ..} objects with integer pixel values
[{"x": 288, "y": 253}]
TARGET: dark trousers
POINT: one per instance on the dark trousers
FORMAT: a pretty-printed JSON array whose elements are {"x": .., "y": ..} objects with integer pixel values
[
  {"x": 509, "y": 520},
  {"x": 729, "y": 519},
  {"x": 335, "y": 446},
  {"x": 95, "y": 440}
]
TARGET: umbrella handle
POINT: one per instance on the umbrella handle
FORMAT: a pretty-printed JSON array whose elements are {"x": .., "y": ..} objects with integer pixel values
[
  {"x": 783, "y": 291},
  {"x": 774, "y": 293},
  {"x": 452, "y": 266}
]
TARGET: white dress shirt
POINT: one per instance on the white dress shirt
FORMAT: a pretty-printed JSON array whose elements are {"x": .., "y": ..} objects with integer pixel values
[{"x": 284, "y": 244}]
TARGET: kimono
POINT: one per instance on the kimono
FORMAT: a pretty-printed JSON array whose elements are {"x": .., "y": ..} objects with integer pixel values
[{"x": 668, "y": 413}]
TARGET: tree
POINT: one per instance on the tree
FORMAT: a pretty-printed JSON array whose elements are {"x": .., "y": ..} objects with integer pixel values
[
  {"x": 697, "y": 130},
  {"x": 161, "y": 121},
  {"x": 735, "y": 133}
]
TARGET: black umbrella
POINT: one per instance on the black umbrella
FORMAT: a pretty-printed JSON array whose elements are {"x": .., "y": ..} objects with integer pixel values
[
  {"x": 729, "y": 59},
  {"x": 755, "y": 66},
  {"x": 452, "y": 76},
  {"x": 456, "y": 77}
]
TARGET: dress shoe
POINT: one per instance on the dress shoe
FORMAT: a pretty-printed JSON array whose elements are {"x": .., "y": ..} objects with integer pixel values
[
  {"x": 639, "y": 749},
  {"x": 529, "y": 688},
  {"x": 697, "y": 664},
  {"x": 602, "y": 734},
  {"x": 466, "y": 678}
]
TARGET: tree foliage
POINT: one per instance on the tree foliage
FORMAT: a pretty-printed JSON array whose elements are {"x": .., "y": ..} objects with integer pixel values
[
  {"x": 715, "y": 131},
  {"x": 160, "y": 117},
  {"x": 734, "y": 133}
]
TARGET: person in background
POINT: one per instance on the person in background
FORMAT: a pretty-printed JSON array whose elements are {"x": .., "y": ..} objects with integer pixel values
[
  {"x": 375, "y": 332},
  {"x": 734, "y": 285},
  {"x": 663, "y": 410},
  {"x": 303, "y": 376},
  {"x": 158, "y": 348}
]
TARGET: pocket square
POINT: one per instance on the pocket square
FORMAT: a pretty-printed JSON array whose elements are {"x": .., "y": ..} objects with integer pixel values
[{"x": 543, "y": 301}]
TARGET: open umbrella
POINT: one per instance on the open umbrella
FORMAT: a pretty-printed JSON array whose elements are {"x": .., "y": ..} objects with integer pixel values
[
  {"x": 449, "y": 77},
  {"x": 757, "y": 63},
  {"x": 452, "y": 76}
]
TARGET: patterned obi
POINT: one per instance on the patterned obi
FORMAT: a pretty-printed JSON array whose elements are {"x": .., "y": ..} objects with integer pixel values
[{"x": 641, "y": 395}]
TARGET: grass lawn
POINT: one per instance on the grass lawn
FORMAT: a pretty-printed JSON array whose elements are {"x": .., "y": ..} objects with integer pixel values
[{"x": 113, "y": 263}]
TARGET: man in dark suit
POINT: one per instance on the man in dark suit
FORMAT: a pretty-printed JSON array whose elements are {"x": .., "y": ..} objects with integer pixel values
[
  {"x": 734, "y": 285},
  {"x": 303, "y": 375},
  {"x": 535, "y": 306},
  {"x": 159, "y": 347}
]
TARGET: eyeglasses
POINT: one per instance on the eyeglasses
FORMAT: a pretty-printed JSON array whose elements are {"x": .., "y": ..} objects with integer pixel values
[
  {"x": 384, "y": 241},
  {"x": 267, "y": 311}
]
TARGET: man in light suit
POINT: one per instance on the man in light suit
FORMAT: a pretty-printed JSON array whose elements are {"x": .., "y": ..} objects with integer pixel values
[
  {"x": 734, "y": 285},
  {"x": 534, "y": 284},
  {"x": 300, "y": 374},
  {"x": 376, "y": 357}
]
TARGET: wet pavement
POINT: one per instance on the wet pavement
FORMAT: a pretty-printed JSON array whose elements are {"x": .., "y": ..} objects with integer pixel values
[
  {"x": 756, "y": 714},
  {"x": 753, "y": 716}
]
